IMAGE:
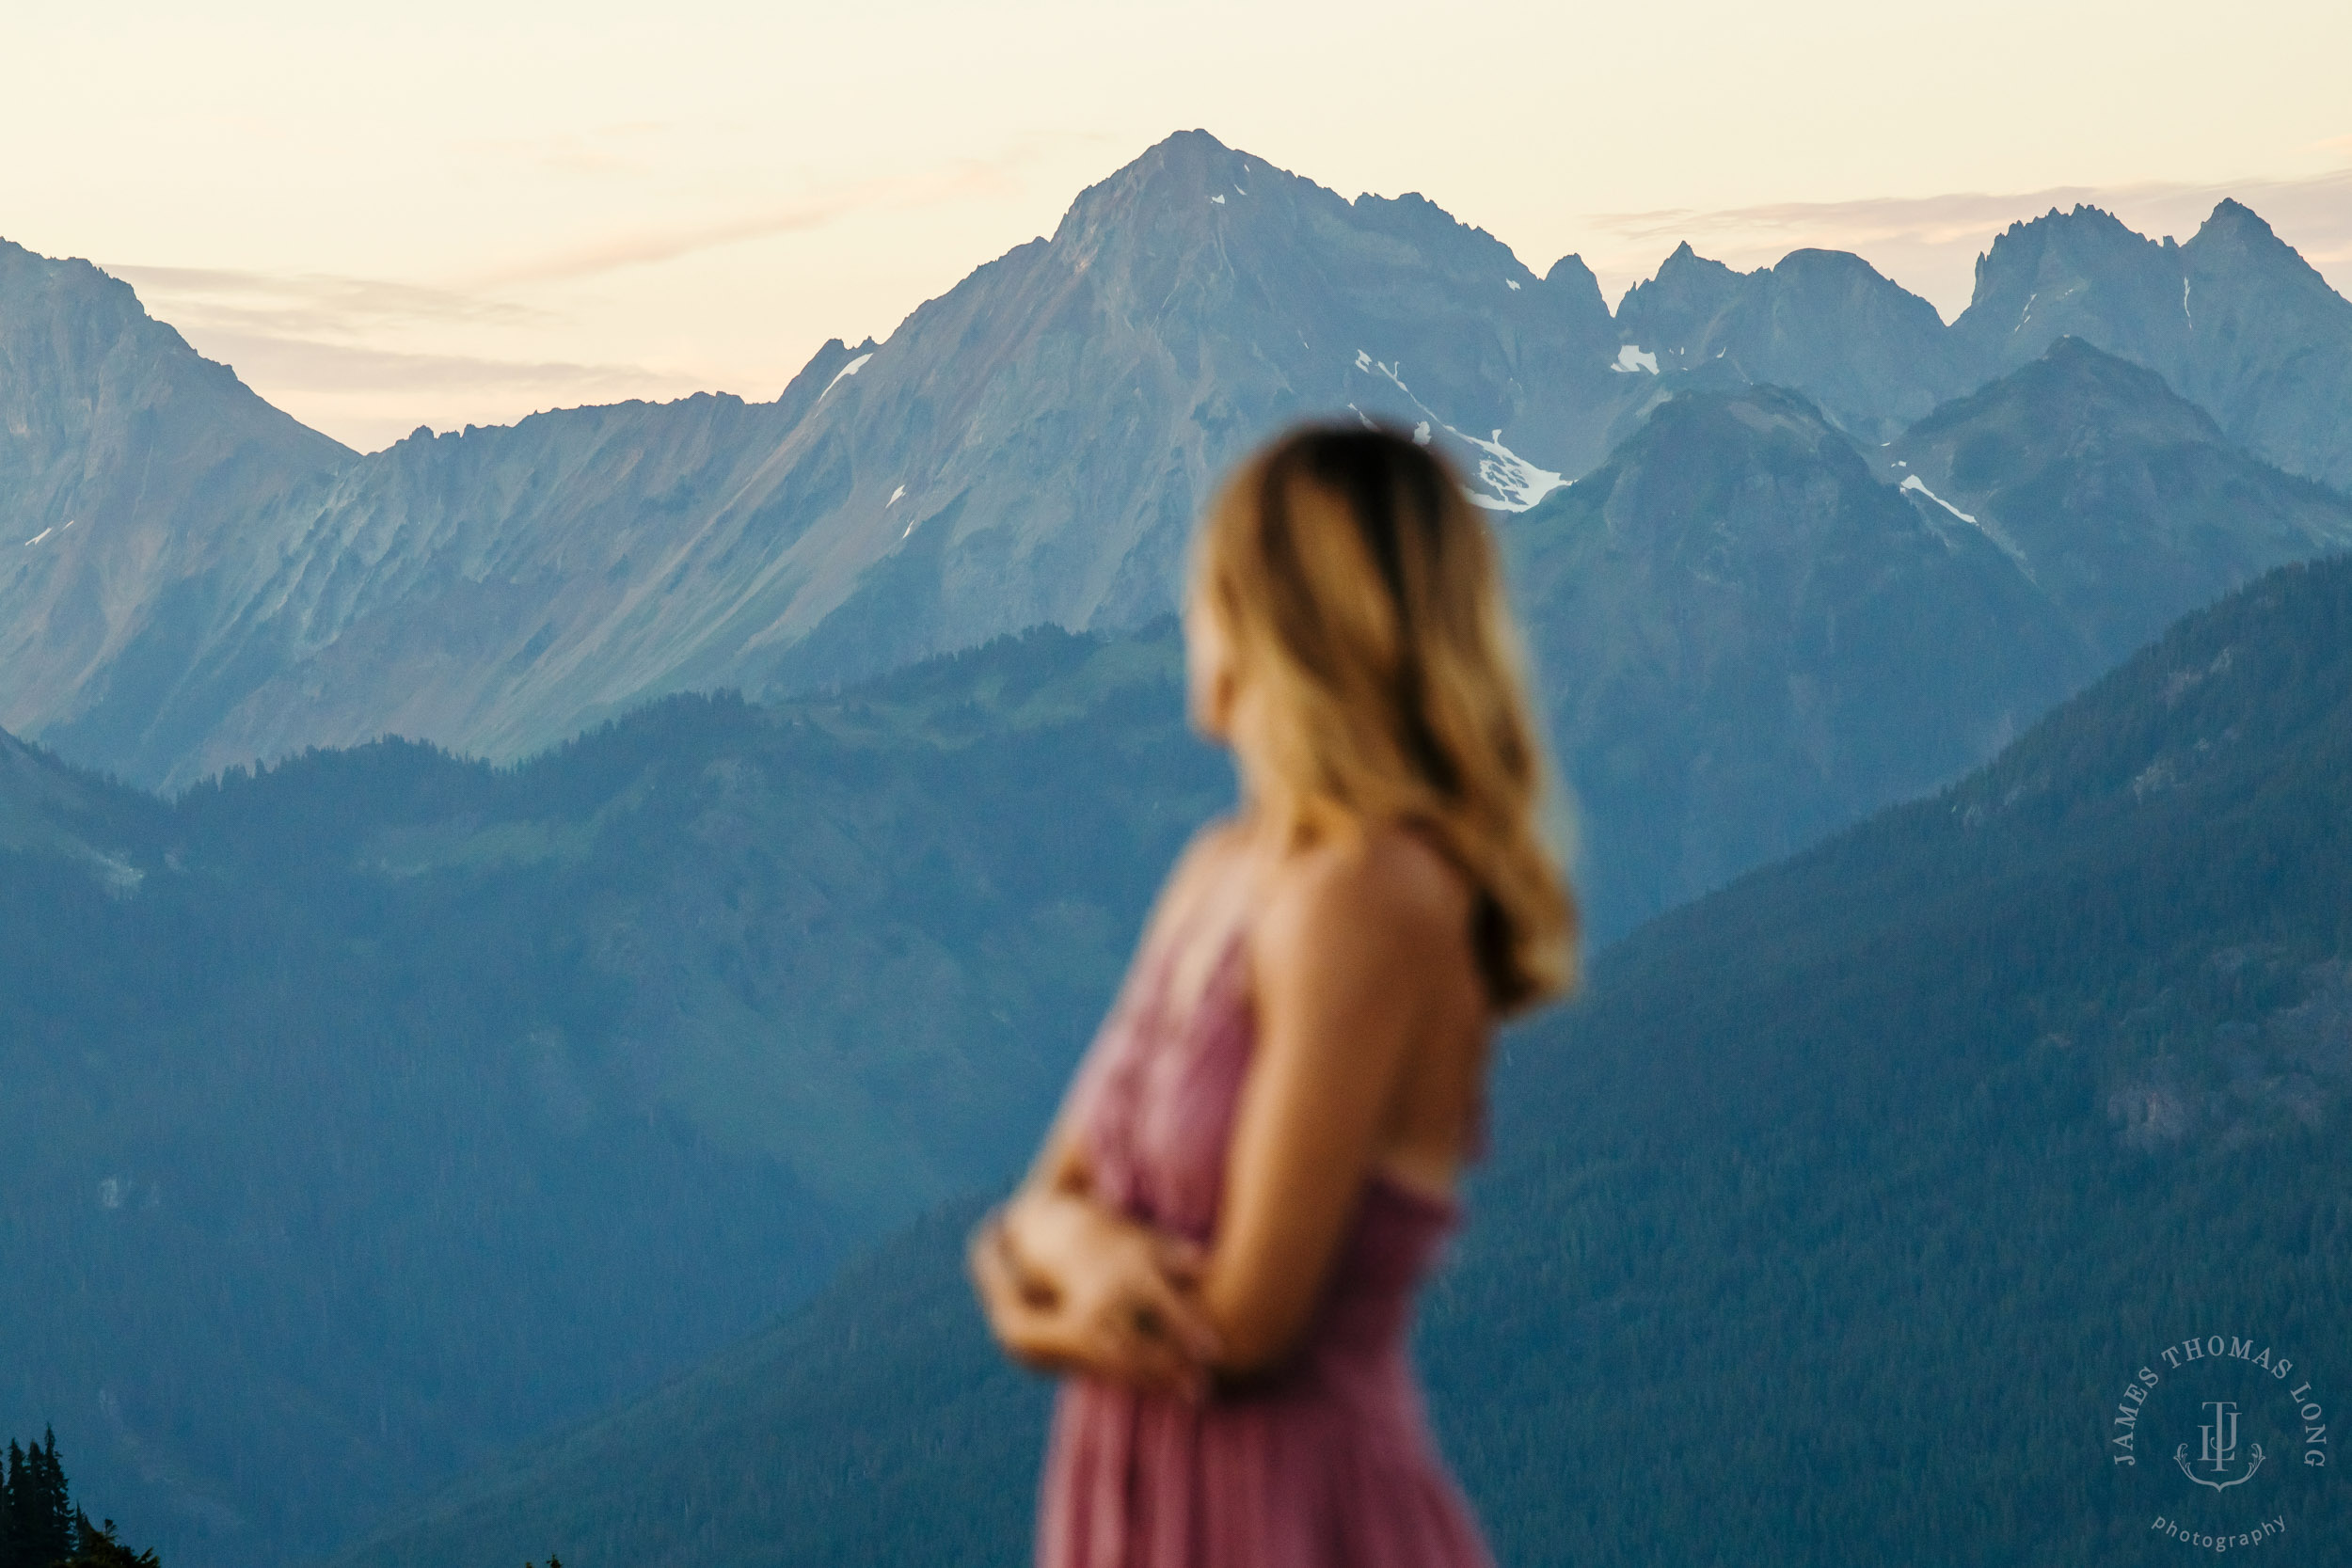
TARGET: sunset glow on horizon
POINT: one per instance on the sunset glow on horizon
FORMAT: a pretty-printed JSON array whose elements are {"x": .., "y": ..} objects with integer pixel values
[{"x": 451, "y": 214}]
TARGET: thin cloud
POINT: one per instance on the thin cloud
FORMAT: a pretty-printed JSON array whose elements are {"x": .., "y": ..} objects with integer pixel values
[
  {"x": 301, "y": 304},
  {"x": 272, "y": 363},
  {"x": 959, "y": 180}
]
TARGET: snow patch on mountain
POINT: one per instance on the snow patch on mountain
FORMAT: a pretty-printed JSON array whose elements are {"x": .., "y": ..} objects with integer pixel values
[
  {"x": 2002, "y": 541},
  {"x": 1515, "y": 484},
  {"x": 851, "y": 369},
  {"x": 1912, "y": 482},
  {"x": 1631, "y": 358}
]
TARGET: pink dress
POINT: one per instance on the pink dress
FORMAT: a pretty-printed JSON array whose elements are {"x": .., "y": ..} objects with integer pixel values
[{"x": 1326, "y": 1464}]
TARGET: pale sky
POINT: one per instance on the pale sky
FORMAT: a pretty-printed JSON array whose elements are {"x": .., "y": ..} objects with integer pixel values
[{"x": 440, "y": 214}]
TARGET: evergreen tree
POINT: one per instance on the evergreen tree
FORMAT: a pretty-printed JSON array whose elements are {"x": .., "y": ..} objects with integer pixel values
[
  {"x": 40, "y": 1526},
  {"x": 95, "y": 1546},
  {"x": 46, "y": 1518},
  {"x": 11, "y": 1482}
]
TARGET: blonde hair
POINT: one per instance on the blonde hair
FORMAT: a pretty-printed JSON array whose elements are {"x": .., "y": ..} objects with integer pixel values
[{"x": 1359, "y": 592}]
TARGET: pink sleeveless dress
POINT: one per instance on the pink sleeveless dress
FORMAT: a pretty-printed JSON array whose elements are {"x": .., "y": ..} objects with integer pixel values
[{"x": 1327, "y": 1463}]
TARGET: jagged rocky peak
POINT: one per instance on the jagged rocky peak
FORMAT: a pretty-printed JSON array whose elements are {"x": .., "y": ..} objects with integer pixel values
[
  {"x": 1413, "y": 217},
  {"x": 80, "y": 348},
  {"x": 1176, "y": 186},
  {"x": 131, "y": 467},
  {"x": 2081, "y": 272},
  {"x": 2234, "y": 320},
  {"x": 1872, "y": 353},
  {"x": 1670, "y": 313},
  {"x": 2236, "y": 242},
  {"x": 2232, "y": 222},
  {"x": 1575, "y": 293}
]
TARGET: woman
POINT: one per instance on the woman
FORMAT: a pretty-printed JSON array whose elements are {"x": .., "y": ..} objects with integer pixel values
[{"x": 1255, "y": 1163}]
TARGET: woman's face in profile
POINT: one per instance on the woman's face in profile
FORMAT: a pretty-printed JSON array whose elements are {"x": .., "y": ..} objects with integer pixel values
[{"x": 1209, "y": 680}]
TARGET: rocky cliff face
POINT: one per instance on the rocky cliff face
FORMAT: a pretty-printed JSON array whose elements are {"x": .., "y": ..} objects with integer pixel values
[
  {"x": 1031, "y": 446},
  {"x": 130, "y": 471}
]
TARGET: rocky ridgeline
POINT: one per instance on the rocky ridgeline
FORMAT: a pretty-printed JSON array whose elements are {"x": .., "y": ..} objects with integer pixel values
[{"x": 213, "y": 582}]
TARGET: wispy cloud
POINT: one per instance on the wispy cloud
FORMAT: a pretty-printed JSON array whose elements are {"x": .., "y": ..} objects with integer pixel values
[
  {"x": 301, "y": 304},
  {"x": 306, "y": 364},
  {"x": 964, "y": 178}
]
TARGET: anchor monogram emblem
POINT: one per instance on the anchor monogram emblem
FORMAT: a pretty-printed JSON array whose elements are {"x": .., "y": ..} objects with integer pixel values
[{"x": 2220, "y": 1449}]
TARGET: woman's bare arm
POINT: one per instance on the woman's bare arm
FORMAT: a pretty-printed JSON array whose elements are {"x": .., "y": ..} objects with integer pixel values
[
  {"x": 1354, "y": 940},
  {"x": 1068, "y": 1284}
]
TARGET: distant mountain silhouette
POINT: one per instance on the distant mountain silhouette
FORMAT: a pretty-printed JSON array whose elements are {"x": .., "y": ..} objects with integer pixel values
[
  {"x": 2235, "y": 320},
  {"x": 1029, "y": 448},
  {"x": 2123, "y": 503},
  {"x": 1873, "y": 355}
]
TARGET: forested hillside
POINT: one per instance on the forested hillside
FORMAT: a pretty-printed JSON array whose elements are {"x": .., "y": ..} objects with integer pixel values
[
  {"x": 373, "y": 1113},
  {"x": 1832, "y": 1225}
]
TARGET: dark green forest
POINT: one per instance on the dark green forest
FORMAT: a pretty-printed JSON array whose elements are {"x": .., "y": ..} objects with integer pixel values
[
  {"x": 40, "y": 1526},
  {"x": 383, "y": 1109},
  {"x": 1832, "y": 1225}
]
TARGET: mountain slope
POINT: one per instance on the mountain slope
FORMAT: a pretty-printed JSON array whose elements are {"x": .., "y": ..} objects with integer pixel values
[
  {"x": 373, "y": 1114},
  {"x": 1829, "y": 1228},
  {"x": 1746, "y": 641},
  {"x": 1031, "y": 446},
  {"x": 2123, "y": 502},
  {"x": 1749, "y": 632},
  {"x": 131, "y": 469}
]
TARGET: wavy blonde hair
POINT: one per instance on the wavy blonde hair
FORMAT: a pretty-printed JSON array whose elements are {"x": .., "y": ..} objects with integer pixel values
[{"x": 1359, "y": 593}]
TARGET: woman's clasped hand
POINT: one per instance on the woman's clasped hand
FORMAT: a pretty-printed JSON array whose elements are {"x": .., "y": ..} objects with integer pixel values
[{"x": 1070, "y": 1287}]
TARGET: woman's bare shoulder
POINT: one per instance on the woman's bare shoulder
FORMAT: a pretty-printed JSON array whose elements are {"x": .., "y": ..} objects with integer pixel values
[
  {"x": 1211, "y": 847},
  {"x": 1378, "y": 885}
]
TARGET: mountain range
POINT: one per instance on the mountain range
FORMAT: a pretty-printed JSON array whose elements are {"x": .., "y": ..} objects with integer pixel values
[
  {"x": 214, "y": 585},
  {"x": 1832, "y": 1225},
  {"x": 203, "y": 583},
  {"x": 747, "y": 886}
]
